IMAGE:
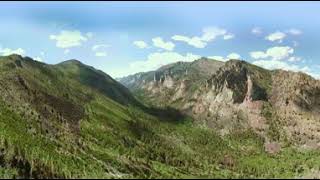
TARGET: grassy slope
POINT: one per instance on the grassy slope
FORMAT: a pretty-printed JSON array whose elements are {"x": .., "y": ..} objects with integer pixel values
[{"x": 123, "y": 141}]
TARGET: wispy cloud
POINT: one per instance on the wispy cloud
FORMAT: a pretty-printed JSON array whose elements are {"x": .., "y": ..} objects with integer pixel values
[
  {"x": 140, "y": 44},
  {"x": 294, "y": 31},
  {"x": 100, "y": 50},
  {"x": 256, "y": 31}
]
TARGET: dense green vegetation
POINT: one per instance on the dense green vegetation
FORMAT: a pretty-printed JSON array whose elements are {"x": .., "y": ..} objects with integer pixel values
[{"x": 122, "y": 140}]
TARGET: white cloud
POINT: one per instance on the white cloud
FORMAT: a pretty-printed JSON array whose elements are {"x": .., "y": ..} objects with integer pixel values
[
  {"x": 277, "y": 36},
  {"x": 230, "y": 56},
  {"x": 295, "y": 43},
  {"x": 8, "y": 51},
  {"x": 68, "y": 39},
  {"x": 279, "y": 52},
  {"x": 99, "y": 50},
  {"x": 228, "y": 36},
  {"x": 275, "y": 64},
  {"x": 208, "y": 35},
  {"x": 101, "y": 54},
  {"x": 276, "y": 53},
  {"x": 38, "y": 59},
  {"x": 211, "y": 33},
  {"x": 256, "y": 30},
  {"x": 218, "y": 58},
  {"x": 258, "y": 55},
  {"x": 99, "y": 46},
  {"x": 294, "y": 59},
  {"x": 234, "y": 56},
  {"x": 158, "y": 42},
  {"x": 140, "y": 44},
  {"x": 194, "y": 41},
  {"x": 42, "y": 53},
  {"x": 294, "y": 31}
]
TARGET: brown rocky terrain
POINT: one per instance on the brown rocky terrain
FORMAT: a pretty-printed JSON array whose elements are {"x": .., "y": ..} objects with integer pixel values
[{"x": 281, "y": 106}]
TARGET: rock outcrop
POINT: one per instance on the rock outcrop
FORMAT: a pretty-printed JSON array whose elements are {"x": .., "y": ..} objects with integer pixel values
[{"x": 232, "y": 96}]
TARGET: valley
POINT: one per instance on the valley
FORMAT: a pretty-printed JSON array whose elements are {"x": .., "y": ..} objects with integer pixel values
[{"x": 200, "y": 119}]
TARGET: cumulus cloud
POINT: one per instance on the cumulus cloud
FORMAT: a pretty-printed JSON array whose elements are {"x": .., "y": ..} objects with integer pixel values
[
  {"x": 223, "y": 59},
  {"x": 211, "y": 33},
  {"x": 159, "y": 42},
  {"x": 68, "y": 39},
  {"x": 234, "y": 56},
  {"x": 99, "y": 50},
  {"x": 38, "y": 59},
  {"x": 275, "y": 53},
  {"x": 294, "y": 59},
  {"x": 258, "y": 54},
  {"x": 218, "y": 58},
  {"x": 208, "y": 34},
  {"x": 276, "y": 36},
  {"x": 279, "y": 52},
  {"x": 275, "y": 64},
  {"x": 294, "y": 31},
  {"x": 8, "y": 51},
  {"x": 256, "y": 31},
  {"x": 280, "y": 58},
  {"x": 140, "y": 44}
]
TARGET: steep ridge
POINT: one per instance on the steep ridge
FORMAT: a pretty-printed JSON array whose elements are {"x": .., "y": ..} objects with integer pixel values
[
  {"x": 98, "y": 80},
  {"x": 172, "y": 84},
  {"x": 280, "y": 106}
]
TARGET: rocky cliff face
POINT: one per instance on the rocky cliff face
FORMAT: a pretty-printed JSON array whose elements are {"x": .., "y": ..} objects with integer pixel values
[
  {"x": 173, "y": 84},
  {"x": 280, "y": 106}
]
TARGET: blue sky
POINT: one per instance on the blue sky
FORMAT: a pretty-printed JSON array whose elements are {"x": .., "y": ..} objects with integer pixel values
[{"x": 122, "y": 38}]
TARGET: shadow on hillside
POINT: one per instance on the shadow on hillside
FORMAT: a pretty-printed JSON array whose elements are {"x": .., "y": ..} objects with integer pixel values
[{"x": 166, "y": 114}]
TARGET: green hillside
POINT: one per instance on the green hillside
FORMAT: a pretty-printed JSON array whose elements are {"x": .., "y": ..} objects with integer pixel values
[{"x": 72, "y": 121}]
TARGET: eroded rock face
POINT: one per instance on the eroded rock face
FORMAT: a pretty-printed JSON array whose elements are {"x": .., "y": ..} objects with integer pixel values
[
  {"x": 276, "y": 105},
  {"x": 173, "y": 84},
  {"x": 168, "y": 82}
]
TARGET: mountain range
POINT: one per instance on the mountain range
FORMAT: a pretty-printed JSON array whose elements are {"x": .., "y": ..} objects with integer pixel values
[{"x": 200, "y": 119}]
